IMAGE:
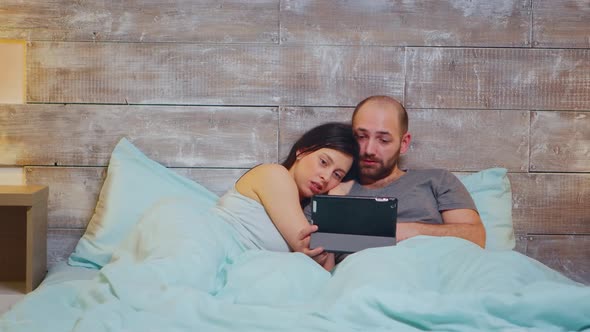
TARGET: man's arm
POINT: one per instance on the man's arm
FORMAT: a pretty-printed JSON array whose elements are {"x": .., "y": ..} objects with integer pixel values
[{"x": 462, "y": 223}]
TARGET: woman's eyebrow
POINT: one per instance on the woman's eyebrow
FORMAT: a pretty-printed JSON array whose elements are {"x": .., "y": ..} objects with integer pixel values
[
  {"x": 332, "y": 162},
  {"x": 327, "y": 156}
]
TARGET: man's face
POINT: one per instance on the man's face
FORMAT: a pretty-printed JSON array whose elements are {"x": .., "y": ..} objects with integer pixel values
[{"x": 377, "y": 129}]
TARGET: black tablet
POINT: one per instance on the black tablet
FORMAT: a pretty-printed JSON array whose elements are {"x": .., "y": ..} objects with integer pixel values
[{"x": 348, "y": 224}]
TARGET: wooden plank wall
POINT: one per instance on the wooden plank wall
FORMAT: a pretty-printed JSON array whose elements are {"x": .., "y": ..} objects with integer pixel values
[{"x": 211, "y": 88}]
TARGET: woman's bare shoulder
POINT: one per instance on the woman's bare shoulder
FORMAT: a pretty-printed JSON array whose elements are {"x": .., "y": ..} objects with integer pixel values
[
  {"x": 270, "y": 169},
  {"x": 263, "y": 174}
]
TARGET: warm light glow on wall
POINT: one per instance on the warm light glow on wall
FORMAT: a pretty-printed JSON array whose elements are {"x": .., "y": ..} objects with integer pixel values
[
  {"x": 12, "y": 71},
  {"x": 12, "y": 91}
]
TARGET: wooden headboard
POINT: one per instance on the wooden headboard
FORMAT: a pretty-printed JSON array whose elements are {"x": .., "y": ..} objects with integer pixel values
[{"x": 211, "y": 88}]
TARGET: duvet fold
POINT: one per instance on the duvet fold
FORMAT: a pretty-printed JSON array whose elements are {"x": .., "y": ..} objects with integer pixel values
[{"x": 182, "y": 269}]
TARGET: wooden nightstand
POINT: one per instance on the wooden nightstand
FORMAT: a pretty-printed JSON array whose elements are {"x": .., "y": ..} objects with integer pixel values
[{"x": 23, "y": 237}]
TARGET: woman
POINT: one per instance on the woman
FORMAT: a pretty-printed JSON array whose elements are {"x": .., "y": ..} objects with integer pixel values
[{"x": 265, "y": 205}]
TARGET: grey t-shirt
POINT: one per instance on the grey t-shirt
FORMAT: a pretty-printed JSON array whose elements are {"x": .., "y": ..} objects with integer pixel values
[{"x": 422, "y": 195}]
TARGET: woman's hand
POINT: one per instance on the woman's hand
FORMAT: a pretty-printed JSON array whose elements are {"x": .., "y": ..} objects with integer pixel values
[
  {"x": 304, "y": 239},
  {"x": 325, "y": 259}
]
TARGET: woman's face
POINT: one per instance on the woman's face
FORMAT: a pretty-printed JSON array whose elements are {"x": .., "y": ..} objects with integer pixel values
[{"x": 319, "y": 171}]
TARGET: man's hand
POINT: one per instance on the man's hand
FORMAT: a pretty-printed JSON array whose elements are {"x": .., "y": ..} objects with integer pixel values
[
  {"x": 462, "y": 223},
  {"x": 406, "y": 230}
]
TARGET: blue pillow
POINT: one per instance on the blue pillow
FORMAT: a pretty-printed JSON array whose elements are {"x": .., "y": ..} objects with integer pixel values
[
  {"x": 492, "y": 194},
  {"x": 133, "y": 184}
]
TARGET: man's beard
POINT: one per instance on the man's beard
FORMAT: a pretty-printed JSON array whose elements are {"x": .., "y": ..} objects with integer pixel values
[{"x": 373, "y": 174}]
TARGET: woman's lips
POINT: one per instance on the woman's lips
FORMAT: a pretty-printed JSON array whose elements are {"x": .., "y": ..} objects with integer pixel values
[{"x": 316, "y": 188}]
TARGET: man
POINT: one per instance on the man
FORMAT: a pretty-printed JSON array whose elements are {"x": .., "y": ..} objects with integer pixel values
[{"x": 430, "y": 202}]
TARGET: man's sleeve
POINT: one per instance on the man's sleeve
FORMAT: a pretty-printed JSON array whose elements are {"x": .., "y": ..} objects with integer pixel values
[{"x": 452, "y": 194}]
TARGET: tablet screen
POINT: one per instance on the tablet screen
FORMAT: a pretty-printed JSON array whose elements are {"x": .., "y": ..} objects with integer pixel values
[{"x": 352, "y": 223}]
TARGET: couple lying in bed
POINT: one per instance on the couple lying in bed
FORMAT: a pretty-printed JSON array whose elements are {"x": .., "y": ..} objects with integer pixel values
[
  {"x": 266, "y": 204},
  {"x": 168, "y": 262}
]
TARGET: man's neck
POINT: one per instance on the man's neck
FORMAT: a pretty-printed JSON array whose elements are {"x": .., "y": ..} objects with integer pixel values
[{"x": 383, "y": 182}]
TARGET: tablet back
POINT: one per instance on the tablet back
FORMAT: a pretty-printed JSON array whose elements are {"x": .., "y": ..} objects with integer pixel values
[{"x": 351, "y": 223}]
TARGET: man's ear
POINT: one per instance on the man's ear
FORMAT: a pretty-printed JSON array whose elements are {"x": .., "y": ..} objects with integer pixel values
[{"x": 406, "y": 139}]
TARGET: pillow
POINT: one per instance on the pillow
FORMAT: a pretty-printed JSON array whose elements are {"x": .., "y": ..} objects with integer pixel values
[
  {"x": 492, "y": 194},
  {"x": 133, "y": 183}
]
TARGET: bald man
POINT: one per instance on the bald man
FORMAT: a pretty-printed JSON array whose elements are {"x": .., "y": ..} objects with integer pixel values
[{"x": 431, "y": 201}]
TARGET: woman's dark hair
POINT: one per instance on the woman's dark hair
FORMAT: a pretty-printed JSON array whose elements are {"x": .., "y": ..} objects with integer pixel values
[{"x": 332, "y": 135}]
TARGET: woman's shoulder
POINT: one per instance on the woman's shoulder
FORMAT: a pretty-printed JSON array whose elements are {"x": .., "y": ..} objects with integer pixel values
[
  {"x": 264, "y": 173},
  {"x": 263, "y": 178},
  {"x": 269, "y": 169}
]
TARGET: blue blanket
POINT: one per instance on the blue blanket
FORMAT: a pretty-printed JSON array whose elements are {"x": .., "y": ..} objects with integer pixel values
[{"x": 182, "y": 269}]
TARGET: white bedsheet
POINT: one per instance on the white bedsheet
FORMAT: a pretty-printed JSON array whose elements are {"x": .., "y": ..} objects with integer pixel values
[
  {"x": 62, "y": 272},
  {"x": 58, "y": 273},
  {"x": 181, "y": 270}
]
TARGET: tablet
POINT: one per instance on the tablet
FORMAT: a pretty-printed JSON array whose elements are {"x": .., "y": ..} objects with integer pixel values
[{"x": 348, "y": 224}]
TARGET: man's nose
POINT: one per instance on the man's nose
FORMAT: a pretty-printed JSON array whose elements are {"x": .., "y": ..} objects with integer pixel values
[{"x": 369, "y": 147}]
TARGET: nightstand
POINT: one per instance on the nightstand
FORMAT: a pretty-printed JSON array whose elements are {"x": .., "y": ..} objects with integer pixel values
[{"x": 23, "y": 237}]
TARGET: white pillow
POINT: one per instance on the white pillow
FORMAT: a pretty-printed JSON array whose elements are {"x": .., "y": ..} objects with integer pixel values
[
  {"x": 133, "y": 183},
  {"x": 492, "y": 194}
]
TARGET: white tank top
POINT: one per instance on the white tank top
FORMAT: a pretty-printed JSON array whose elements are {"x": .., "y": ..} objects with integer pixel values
[{"x": 253, "y": 225}]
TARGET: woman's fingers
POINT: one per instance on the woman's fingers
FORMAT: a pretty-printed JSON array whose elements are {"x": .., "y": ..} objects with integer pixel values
[
  {"x": 313, "y": 252},
  {"x": 329, "y": 262},
  {"x": 306, "y": 232},
  {"x": 304, "y": 238}
]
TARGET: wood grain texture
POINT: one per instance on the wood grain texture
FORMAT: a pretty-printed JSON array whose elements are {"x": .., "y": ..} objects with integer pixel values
[
  {"x": 74, "y": 190},
  {"x": 568, "y": 254},
  {"x": 217, "y": 180},
  {"x": 147, "y": 73},
  {"x": 295, "y": 121},
  {"x": 411, "y": 23},
  {"x": 174, "y": 136},
  {"x": 468, "y": 140},
  {"x": 498, "y": 79},
  {"x": 521, "y": 242},
  {"x": 550, "y": 203},
  {"x": 73, "y": 193},
  {"x": 560, "y": 141},
  {"x": 339, "y": 76},
  {"x": 61, "y": 243},
  {"x": 211, "y": 21},
  {"x": 440, "y": 138},
  {"x": 561, "y": 23}
]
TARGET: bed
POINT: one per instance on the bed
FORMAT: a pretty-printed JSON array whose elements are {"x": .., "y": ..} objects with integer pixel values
[{"x": 153, "y": 258}]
